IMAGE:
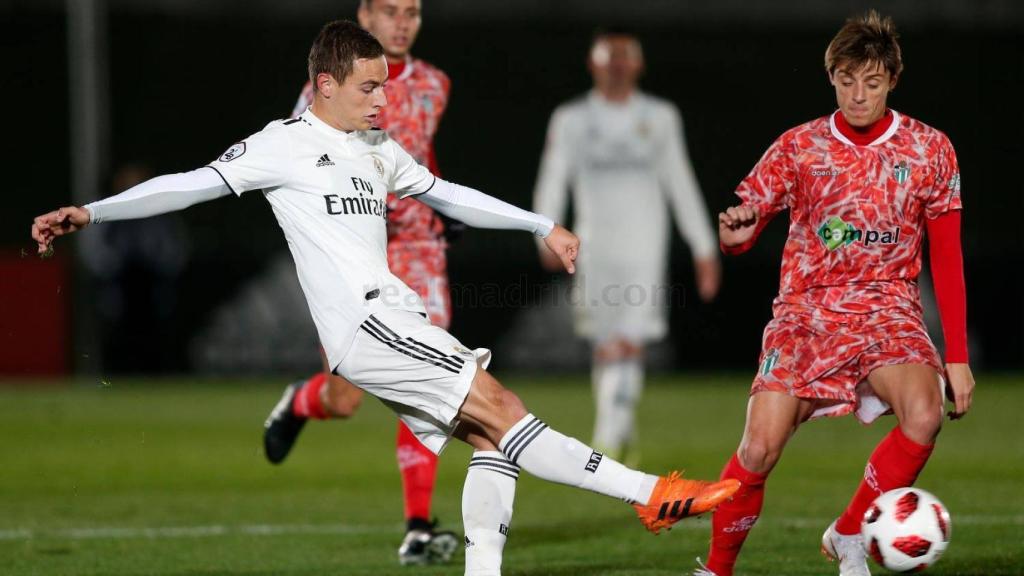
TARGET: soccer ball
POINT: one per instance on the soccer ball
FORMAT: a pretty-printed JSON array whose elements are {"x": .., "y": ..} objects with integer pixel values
[{"x": 906, "y": 530}]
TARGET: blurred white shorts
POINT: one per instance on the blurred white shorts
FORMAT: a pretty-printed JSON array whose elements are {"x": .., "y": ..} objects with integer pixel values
[{"x": 417, "y": 369}]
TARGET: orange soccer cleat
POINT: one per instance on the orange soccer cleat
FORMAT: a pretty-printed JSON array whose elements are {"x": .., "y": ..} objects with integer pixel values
[{"x": 675, "y": 498}]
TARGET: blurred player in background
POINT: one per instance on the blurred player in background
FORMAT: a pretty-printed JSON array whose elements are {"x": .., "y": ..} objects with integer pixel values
[
  {"x": 326, "y": 175},
  {"x": 623, "y": 153},
  {"x": 417, "y": 95},
  {"x": 863, "y": 185}
]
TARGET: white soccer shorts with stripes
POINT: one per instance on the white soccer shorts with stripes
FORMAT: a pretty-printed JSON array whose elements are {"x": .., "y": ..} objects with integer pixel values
[{"x": 417, "y": 369}]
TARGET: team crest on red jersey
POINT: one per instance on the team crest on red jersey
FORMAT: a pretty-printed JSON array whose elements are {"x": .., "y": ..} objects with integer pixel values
[
  {"x": 901, "y": 172},
  {"x": 771, "y": 358}
]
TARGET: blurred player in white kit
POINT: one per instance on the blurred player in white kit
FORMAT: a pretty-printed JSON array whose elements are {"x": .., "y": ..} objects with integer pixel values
[{"x": 622, "y": 153}]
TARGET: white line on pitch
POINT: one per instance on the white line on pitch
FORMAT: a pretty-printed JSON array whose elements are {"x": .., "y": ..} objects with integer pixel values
[
  {"x": 164, "y": 532},
  {"x": 124, "y": 533}
]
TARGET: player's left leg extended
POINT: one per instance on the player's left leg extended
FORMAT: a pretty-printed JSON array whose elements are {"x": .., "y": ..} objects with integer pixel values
[
  {"x": 618, "y": 379},
  {"x": 915, "y": 395},
  {"x": 528, "y": 442}
]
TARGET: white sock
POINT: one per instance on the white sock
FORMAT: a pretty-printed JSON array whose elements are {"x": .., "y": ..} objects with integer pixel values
[
  {"x": 555, "y": 457},
  {"x": 487, "y": 498},
  {"x": 617, "y": 387}
]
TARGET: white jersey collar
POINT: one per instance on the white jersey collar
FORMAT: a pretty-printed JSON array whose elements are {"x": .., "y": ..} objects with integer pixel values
[
  {"x": 407, "y": 71},
  {"x": 324, "y": 127},
  {"x": 597, "y": 98},
  {"x": 889, "y": 132}
]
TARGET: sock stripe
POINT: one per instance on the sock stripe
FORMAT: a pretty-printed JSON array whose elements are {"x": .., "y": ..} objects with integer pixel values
[
  {"x": 503, "y": 471},
  {"x": 526, "y": 441},
  {"x": 512, "y": 476},
  {"x": 514, "y": 440},
  {"x": 506, "y": 467},
  {"x": 495, "y": 461}
]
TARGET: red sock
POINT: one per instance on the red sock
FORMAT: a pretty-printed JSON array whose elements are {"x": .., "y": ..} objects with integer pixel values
[
  {"x": 418, "y": 466},
  {"x": 895, "y": 463},
  {"x": 733, "y": 520},
  {"x": 308, "y": 403}
]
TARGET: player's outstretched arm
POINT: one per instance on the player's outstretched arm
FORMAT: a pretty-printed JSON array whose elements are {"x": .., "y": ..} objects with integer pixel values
[
  {"x": 737, "y": 225},
  {"x": 158, "y": 195},
  {"x": 479, "y": 210}
]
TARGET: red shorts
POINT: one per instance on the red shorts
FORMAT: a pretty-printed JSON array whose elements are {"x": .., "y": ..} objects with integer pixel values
[
  {"x": 423, "y": 266},
  {"x": 826, "y": 357}
]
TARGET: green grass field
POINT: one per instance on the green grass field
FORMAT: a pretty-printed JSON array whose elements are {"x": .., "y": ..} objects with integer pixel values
[{"x": 132, "y": 478}]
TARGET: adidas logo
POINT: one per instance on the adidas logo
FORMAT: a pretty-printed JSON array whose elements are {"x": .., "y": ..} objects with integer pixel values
[{"x": 324, "y": 161}]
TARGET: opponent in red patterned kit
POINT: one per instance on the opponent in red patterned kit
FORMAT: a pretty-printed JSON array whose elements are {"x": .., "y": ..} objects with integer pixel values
[
  {"x": 863, "y": 187},
  {"x": 417, "y": 95}
]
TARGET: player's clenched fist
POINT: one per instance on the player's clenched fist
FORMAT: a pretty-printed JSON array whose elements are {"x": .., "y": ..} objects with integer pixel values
[
  {"x": 737, "y": 225},
  {"x": 58, "y": 223},
  {"x": 565, "y": 245}
]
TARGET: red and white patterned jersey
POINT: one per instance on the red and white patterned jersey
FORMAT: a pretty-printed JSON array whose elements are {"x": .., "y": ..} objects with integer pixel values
[
  {"x": 417, "y": 96},
  {"x": 857, "y": 213}
]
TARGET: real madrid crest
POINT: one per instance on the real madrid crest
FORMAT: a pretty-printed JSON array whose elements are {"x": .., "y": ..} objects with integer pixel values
[
  {"x": 901, "y": 172},
  {"x": 379, "y": 167}
]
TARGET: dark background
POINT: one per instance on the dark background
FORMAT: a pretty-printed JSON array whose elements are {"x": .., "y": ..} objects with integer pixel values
[{"x": 187, "y": 79}]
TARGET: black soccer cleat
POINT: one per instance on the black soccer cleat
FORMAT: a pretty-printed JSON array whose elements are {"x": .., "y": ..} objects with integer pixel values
[
  {"x": 423, "y": 546},
  {"x": 282, "y": 426}
]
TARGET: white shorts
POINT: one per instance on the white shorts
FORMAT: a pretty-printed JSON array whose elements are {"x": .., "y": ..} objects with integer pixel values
[
  {"x": 417, "y": 369},
  {"x": 620, "y": 300}
]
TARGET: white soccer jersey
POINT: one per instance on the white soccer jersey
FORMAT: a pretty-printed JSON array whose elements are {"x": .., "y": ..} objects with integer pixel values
[
  {"x": 628, "y": 169},
  {"x": 327, "y": 189},
  {"x": 627, "y": 166}
]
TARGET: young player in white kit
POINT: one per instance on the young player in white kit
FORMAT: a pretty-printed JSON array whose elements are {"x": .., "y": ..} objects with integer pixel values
[
  {"x": 417, "y": 94},
  {"x": 622, "y": 152},
  {"x": 326, "y": 174}
]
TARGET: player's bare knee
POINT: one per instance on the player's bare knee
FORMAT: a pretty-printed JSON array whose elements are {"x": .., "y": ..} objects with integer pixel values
[
  {"x": 497, "y": 399},
  {"x": 512, "y": 405},
  {"x": 923, "y": 423},
  {"x": 758, "y": 455}
]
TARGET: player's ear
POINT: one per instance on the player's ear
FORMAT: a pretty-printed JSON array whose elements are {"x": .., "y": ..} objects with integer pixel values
[
  {"x": 892, "y": 82},
  {"x": 325, "y": 84}
]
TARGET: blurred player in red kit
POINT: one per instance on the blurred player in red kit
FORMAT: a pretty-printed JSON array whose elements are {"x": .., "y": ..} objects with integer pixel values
[
  {"x": 863, "y": 185},
  {"x": 417, "y": 94}
]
